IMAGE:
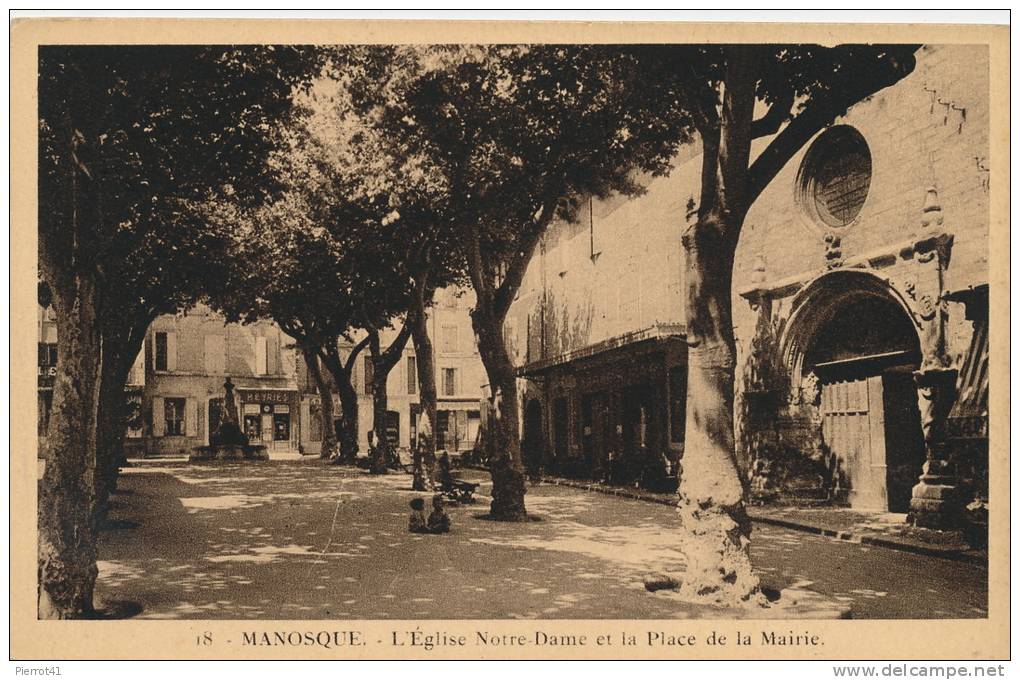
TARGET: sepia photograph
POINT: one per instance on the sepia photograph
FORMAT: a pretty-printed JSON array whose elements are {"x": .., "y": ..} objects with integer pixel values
[{"x": 428, "y": 342}]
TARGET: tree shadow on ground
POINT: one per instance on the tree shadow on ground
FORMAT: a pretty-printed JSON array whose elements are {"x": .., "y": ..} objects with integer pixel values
[
  {"x": 297, "y": 541},
  {"x": 489, "y": 518}
]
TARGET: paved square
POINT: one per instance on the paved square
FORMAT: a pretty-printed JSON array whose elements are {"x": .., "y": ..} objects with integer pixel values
[{"x": 302, "y": 540}]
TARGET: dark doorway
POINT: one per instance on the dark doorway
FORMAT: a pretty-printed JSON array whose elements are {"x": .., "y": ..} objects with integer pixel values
[
  {"x": 904, "y": 442},
  {"x": 587, "y": 431},
  {"x": 864, "y": 357},
  {"x": 561, "y": 437},
  {"x": 634, "y": 418},
  {"x": 532, "y": 444}
]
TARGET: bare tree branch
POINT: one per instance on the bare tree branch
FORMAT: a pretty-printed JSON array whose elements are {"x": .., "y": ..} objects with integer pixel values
[{"x": 517, "y": 266}]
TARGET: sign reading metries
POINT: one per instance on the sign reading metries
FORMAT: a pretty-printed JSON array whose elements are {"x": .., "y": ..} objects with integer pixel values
[{"x": 265, "y": 396}]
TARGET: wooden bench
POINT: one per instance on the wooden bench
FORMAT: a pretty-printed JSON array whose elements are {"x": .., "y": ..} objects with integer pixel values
[{"x": 460, "y": 491}]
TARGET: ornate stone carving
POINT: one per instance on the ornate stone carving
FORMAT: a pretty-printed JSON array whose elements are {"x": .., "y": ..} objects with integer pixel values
[
  {"x": 833, "y": 250},
  {"x": 926, "y": 307},
  {"x": 935, "y": 503},
  {"x": 229, "y": 404},
  {"x": 810, "y": 389},
  {"x": 931, "y": 211}
]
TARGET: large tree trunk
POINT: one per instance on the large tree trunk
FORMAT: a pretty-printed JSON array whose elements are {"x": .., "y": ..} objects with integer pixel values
[
  {"x": 341, "y": 371},
  {"x": 66, "y": 519},
  {"x": 382, "y": 363},
  {"x": 425, "y": 449},
  {"x": 120, "y": 347},
  {"x": 502, "y": 440},
  {"x": 380, "y": 446},
  {"x": 716, "y": 541},
  {"x": 329, "y": 443},
  {"x": 348, "y": 433},
  {"x": 67, "y": 531},
  {"x": 711, "y": 494}
]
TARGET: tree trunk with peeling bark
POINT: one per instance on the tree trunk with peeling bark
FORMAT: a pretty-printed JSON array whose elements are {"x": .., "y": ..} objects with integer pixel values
[
  {"x": 67, "y": 492},
  {"x": 717, "y": 529},
  {"x": 711, "y": 495},
  {"x": 329, "y": 440},
  {"x": 717, "y": 536},
  {"x": 120, "y": 347},
  {"x": 502, "y": 436},
  {"x": 67, "y": 530},
  {"x": 496, "y": 282}
]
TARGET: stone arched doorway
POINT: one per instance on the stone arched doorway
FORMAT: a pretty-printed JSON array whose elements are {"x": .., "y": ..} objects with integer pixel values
[
  {"x": 854, "y": 346},
  {"x": 532, "y": 443}
]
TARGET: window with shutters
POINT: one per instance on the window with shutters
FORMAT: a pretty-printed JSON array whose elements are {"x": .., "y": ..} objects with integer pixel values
[
  {"x": 161, "y": 360},
  {"x": 47, "y": 354},
  {"x": 215, "y": 354},
  {"x": 173, "y": 416},
  {"x": 449, "y": 382},
  {"x": 450, "y": 338},
  {"x": 412, "y": 375}
]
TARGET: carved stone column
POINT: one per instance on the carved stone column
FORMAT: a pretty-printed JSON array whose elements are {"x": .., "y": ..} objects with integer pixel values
[{"x": 935, "y": 502}]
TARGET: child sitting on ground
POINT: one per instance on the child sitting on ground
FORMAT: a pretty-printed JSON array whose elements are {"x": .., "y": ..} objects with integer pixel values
[
  {"x": 439, "y": 521},
  {"x": 416, "y": 523}
]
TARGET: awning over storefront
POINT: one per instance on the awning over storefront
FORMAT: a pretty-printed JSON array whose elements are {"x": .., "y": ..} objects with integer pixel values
[{"x": 654, "y": 333}]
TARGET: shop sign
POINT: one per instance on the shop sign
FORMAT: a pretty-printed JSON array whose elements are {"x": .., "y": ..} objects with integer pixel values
[{"x": 264, "y": 397}]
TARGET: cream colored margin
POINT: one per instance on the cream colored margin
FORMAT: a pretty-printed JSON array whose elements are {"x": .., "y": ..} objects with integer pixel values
[{"x": 33, "y": 639}]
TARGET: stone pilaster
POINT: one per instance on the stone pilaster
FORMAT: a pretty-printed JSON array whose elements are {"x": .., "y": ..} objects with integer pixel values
[{"x": 935, "y": 502}]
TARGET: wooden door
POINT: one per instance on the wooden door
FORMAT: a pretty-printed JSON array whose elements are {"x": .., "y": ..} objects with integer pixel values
[
  {"x": 267, "y": 429},
  {"x": 853, "y": 427}
]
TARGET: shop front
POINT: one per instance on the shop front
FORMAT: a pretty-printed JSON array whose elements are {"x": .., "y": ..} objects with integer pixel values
[
  {"x": 270, "y": 417},
  {"x": 457, "y": 424},
  {"x": 612, "y": 412}
]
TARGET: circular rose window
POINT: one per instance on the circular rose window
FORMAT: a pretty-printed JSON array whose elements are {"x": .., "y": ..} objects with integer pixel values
[{"x": 835, "y": 176}]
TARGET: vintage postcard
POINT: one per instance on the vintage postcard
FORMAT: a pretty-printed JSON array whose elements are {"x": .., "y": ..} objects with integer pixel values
[{"x": 493, "y": 340}]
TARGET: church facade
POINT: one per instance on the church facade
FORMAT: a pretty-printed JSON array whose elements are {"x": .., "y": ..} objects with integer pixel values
[{"x": 860, "y": 300}]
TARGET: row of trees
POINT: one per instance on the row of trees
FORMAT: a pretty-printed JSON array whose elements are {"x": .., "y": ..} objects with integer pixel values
[{"x": 335, "y": 189}]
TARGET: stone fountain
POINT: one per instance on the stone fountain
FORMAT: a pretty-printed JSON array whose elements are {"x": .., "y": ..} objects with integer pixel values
[{"x": 228, "y": 442}]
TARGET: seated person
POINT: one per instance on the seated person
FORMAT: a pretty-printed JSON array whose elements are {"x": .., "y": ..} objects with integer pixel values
[
  {"x": 439, "y": 521},
  {"x": 416, "y": 523}
]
